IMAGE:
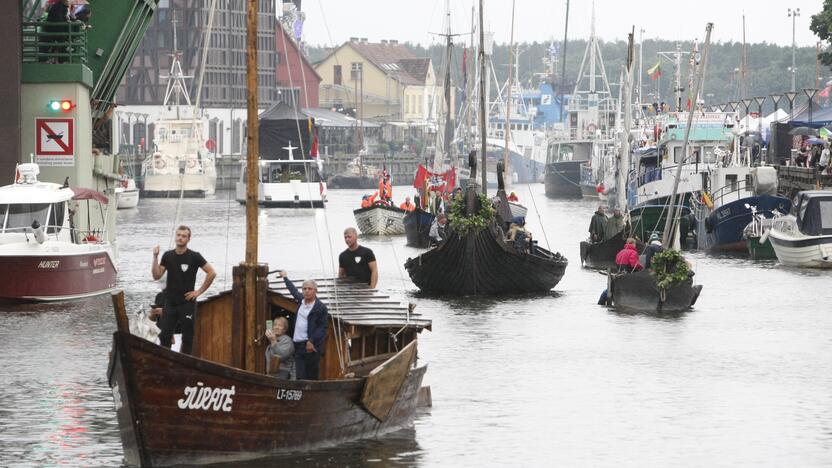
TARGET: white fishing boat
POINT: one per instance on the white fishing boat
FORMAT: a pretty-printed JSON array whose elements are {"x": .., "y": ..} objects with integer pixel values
[
  {"x": 379, "y": 219},
  {"x": 43, "y": 256},
  {"x": 127, "y": 194},
  {"x": 178, "y": 168},
  {"x": 804, "y": 239}
]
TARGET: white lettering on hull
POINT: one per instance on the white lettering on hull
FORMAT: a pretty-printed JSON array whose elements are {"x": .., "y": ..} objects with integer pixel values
[
  {"x": 49, "y": 264},
  {"x": 291, "y": 395},
  {"x": 207, "y": 398}
]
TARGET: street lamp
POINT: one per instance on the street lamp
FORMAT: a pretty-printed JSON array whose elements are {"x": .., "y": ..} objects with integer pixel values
[
  {"x": 760, "y": 100},
  {"x": 793, "y": 14},
  {"x": 776, "y": 98},
  {"x": 810, "y": 93},
  {"x": 791, "y": 95}
]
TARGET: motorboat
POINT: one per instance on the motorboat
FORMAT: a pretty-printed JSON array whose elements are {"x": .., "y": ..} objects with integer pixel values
[
  {"x": 178, "y": 168},
  {"x": 286, "y": 183},
  {"x": 804, "y": 239},
  {"x": 44, "y": 255}
]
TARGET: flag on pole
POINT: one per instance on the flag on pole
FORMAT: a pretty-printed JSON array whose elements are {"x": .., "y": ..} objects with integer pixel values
[{"x": 655, "y": 71}]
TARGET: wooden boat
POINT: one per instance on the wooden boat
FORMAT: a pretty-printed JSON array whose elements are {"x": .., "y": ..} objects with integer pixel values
[
  {"x": 219, "y": 404},
  {"x": 417, "y": 228},
  {"x": 380, "y": 219},
  {"x": 638, "y": 291},
  {"x": 482, "y": 262},
  {"x": 601, "y": 255}
]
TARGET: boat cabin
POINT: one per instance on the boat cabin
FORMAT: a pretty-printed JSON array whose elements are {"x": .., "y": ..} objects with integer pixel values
[
  {"x": 286, "y": 183},
  {"x": 813, "y": 212},
  {"x": 366, "y": 328}
]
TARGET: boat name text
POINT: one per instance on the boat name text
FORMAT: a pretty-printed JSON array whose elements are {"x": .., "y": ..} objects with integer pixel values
[
  {"x": 49, "y": 264},
  {"x": 207, "y": 398},
  {"x": 291, "y": 395}
]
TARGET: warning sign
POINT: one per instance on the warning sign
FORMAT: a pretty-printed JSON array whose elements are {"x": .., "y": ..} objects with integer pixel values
[{"x": 55, "y": 142}]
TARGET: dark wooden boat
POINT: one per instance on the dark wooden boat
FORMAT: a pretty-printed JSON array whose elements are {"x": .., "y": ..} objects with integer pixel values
[
  {"x": 601, "y": 255},
  {"x": 482, "y": 262},
  {"x": 220, "y": 404},
  {"x": 638, "y": 292},
  {"x": 417, "y": 228}
]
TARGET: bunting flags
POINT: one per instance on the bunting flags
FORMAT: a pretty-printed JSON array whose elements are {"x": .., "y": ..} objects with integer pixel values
[{"x": 655, "y": 71}]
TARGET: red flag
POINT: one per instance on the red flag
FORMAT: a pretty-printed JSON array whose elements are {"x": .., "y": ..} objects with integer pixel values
[
  {"x": 313, "y": 151},
  {"x": 16, "y": 174},
  {"x": 436, "y": 182}
]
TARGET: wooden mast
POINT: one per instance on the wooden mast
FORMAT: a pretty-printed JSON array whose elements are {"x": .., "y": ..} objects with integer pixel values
[
  {"x": 483, "y": 157},
  {"x": 507, "y": 126}
]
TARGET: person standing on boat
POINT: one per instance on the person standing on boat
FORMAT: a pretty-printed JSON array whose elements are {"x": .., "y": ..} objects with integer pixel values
[
  {"x": 309, "y": 336},
  {"x": 598, "y": 225},
  {"x": 357, "y": 262},
  {"x": 181, "y": 265},
  {"x": 615, "y": 224},
  {"x": 407, "y": 205}
]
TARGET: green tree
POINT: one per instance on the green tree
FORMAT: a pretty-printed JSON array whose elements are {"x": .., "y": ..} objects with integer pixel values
[{"x": 821, "y": 25}]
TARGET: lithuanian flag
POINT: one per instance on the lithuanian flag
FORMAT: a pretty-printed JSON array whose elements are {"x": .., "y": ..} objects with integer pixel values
[{"x": 655, "y": 71}]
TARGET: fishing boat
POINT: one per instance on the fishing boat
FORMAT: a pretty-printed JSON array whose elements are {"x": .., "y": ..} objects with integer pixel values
[
  {"x": 127, "y": 194},
  {"x": 220, "y": 405},
  {"x": 43, "y": 256},
  {"x": 804, "y": 239},
  {"x": 178, "y": 167},
  {"x": 380, "y": 219}
]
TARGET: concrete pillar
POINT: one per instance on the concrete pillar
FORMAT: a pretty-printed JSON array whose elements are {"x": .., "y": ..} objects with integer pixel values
[{"x": 11, "y": 58}]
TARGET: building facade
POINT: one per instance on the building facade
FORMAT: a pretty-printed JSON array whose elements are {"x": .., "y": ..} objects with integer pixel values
[{"x": 383, "y": 81}]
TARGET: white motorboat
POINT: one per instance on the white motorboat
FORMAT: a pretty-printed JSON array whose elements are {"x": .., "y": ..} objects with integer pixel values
[
  {"x": 286, "y": 183},
  {"x": 43, "y": 256},
  {"x": 804, "y": 239},
  {"x": 127, "y": 194}
]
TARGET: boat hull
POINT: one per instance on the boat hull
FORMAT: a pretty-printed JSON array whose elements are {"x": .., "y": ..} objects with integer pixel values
[
  {"x": 804, "y": 251},
  {"x": 722, "y": 230},
  {"x": 243, "y": 416},
  {"x": 171, "y": 185},
  {"x": 759, "y": 250},
  {"x": 52, "y": 277},
  {"x": 563, "y": 179},
  {"x": 417, "y": 228},
  {"x": 601, "y": 255},
  {"x": 647, "y": 219},
  {"x": 292, "y": 194},
  {"x": 127, "y": 199},
  {"x": 479, "y": 264},
  {"x": 637, "y": 292},
  {"x": 380, "y": 220}
]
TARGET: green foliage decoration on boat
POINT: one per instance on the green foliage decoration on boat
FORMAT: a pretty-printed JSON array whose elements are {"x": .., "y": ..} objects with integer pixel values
[
  {"x": 669, "y": 267},
  {"x": 462, "y": 224}
]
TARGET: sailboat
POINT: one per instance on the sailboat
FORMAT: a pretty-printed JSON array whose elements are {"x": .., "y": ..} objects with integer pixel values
[
  {"x": 219, "y": 405},
  {"x": 475, "y": 258},
  {"x": 665, "y": 286}
]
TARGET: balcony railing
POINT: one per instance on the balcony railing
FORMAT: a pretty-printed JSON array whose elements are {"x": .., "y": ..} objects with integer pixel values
[{"x": 60, "y": 42}]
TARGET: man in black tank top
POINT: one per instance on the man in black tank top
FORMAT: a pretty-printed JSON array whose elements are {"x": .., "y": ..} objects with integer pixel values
[
  {"x": 181, "y": 265},
  {"x": 357, "y": 262}
]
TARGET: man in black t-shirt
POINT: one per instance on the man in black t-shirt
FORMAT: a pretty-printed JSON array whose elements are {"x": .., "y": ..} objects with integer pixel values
[
  {"x": 181, "y": 265},
  {"x": 357, "y": 262}
]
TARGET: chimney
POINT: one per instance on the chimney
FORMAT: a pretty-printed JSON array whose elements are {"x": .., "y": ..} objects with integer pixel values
[
  {"x": 394, "y": 41},
  {"x": 353, "y": 39},
  {"x": 384, "y": 41},
  {"x": 363, "y": 40}
]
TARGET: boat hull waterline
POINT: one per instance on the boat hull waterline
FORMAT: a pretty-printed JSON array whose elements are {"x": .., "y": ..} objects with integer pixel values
[{"x": 380, "y": 220}]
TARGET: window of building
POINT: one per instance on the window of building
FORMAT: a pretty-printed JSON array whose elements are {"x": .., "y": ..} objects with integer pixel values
[{"x": 336, "y": 74}]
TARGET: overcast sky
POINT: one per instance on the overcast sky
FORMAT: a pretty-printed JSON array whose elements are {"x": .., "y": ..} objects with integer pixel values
[{"x": 331, "y": 22}]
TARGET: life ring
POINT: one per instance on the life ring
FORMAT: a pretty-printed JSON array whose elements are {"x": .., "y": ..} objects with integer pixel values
[
  {"x": 191, "y": 163},
  {"x": 591, "y": 127},
  {"x": 159, "y": 163}
]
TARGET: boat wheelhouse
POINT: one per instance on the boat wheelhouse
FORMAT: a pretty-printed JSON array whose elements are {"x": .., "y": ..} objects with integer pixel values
[
  {"x": 804, "y": 239},
  {"x": 286, "y": 183},
  {"x": 178, "y": 166}
]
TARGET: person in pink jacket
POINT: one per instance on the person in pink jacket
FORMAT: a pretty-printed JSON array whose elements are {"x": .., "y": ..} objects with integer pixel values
[{"x": 627, "y": 258}]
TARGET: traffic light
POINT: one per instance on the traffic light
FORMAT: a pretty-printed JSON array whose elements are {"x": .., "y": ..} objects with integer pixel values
[{"x": 64, "y": 105}]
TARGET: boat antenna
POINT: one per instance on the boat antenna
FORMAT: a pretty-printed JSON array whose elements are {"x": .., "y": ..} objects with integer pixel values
[
  {"x": 670, "y": 221},
  {"x": 483, "y": 157}
]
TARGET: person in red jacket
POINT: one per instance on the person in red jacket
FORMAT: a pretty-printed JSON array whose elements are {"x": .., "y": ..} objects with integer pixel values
[{"x": 627, "y": 258}]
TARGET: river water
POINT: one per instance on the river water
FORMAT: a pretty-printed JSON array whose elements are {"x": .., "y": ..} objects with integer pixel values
[{"x": 743, "y": 379}]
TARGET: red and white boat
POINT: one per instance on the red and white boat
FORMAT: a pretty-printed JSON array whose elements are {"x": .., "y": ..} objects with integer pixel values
[{"x": 43, "y": 257}]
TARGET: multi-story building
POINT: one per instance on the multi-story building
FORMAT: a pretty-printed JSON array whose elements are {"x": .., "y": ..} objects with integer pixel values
[{"x": 384, "y": 81}]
